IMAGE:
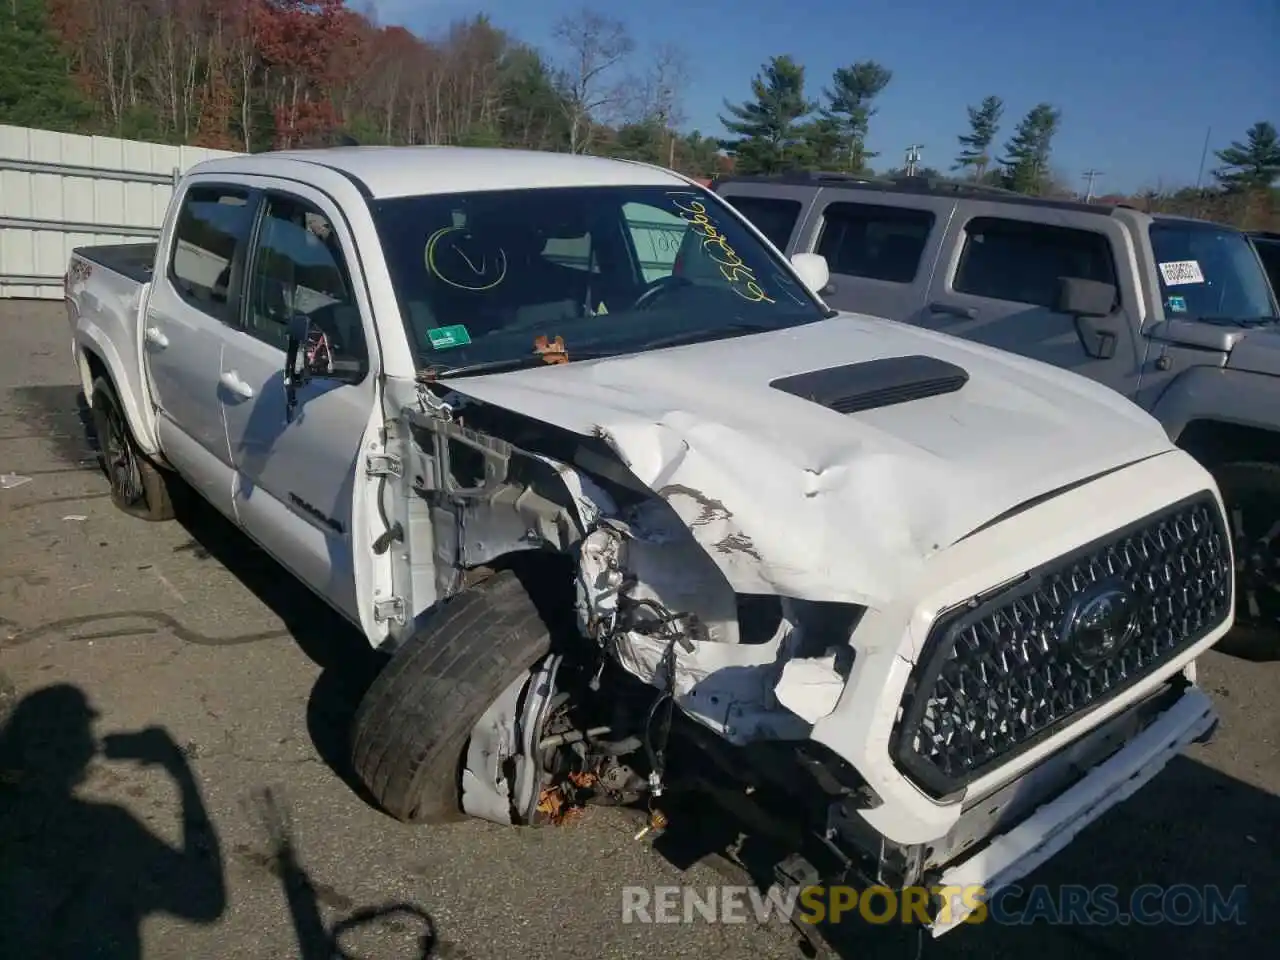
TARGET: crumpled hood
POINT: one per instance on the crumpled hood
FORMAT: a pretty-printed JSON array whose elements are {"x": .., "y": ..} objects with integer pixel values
[
  {"x": 792, "y": 498},
  {"x": 1257, "y": 352}
]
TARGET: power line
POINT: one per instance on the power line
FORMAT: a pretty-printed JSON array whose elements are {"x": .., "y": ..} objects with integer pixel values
[{"x": 1090, "y": 176}]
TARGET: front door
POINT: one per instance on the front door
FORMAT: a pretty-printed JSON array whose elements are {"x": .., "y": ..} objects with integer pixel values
[
  {"x": 191, "y": 303},
  {"x": 997, "y": 283},
  {"x": 299, "y": 473}
]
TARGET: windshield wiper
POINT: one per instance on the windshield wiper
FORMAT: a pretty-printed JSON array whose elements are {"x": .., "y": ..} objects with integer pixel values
[
  {"x": 1225, "y": 321},
  {"x": 522, "y": 362},
  {"x": 699, "y": 336}
]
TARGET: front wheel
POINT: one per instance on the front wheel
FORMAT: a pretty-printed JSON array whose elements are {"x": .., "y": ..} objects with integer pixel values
[
  {"x": 1251, "y": 493},
  {"x": 138, "y": 487},
  {"x": 413, "y": 725}
]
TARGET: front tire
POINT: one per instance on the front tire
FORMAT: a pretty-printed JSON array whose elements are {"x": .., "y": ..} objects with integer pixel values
[
  {"x": 412, "y": 727},
  {"x": 138, "y": 487},
  {"x": 1251, "y": 493}
]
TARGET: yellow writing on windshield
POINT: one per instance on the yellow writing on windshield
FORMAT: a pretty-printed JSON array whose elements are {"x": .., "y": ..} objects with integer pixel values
[{"x": 741, "y": 277}]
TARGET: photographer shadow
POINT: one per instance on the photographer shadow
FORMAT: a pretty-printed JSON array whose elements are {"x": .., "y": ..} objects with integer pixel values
[
  {"x": 79, "y": 876},
  {"x": 400, "y": 929}
]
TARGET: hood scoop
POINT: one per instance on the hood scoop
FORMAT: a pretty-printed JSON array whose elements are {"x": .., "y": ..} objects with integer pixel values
[{"x": 855, "y": 387}]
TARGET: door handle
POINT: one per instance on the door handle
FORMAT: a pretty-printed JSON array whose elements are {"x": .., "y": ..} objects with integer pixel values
[
  {"x": 156, "y": 335},
  {"x": 231, "y": 380},
  {"x": 953, "y": 310}
]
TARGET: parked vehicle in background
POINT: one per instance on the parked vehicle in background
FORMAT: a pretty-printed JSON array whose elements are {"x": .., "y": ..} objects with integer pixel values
[
  {"x": 633, "y": 512},
  {"x": 1267, "y": 244},
  {"x": 1176, "y": 314}
]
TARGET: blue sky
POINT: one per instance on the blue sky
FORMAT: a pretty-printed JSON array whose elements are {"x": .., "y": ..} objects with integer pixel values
[{"x": 1138, "y": 81}]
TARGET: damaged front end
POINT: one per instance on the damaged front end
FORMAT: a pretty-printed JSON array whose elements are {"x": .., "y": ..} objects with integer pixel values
[
  {"x": 659, "y": 637},
  {"x": 676, "y": 672}
]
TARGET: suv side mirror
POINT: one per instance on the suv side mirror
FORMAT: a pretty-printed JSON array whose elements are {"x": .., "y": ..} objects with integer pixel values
[
  {"x": 813, "y": 271},
  {"x": 1085, "y": 298},
  {"x": 1088, "y": 302}
]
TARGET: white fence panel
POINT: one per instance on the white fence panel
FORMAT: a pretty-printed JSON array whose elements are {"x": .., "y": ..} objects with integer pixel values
[{"x": 59, "y": 191}]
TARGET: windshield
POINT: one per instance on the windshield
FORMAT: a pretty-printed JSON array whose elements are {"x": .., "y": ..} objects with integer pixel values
[
  {"x": 1209, "y": 273},
  {"x": 488, "y": 278}
]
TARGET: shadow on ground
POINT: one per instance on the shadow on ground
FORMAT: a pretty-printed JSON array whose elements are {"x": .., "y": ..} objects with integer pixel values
[
  {"x": 80, "y": 876},
  {"x": 60, "y": 415},
  {"x": 1190, "y": 835}
]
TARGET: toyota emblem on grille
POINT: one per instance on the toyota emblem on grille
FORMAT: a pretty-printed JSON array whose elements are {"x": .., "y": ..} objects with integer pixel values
[{"x": 1099, "y": 623}]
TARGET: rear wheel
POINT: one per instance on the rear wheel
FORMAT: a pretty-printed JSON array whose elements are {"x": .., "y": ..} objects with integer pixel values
[
  {"x": 138, "y": 486},
  {"x": 1251, "y": 493},
  {"x": 412, "y": 727}
]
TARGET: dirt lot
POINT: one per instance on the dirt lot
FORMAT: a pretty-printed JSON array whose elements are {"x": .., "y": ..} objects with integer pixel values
[{"x": 186, "y": 628}]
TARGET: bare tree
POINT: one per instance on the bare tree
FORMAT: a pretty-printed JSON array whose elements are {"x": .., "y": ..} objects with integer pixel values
[
  {"x": 660, "y": 94},
  {"x": 595, "y": 46}
]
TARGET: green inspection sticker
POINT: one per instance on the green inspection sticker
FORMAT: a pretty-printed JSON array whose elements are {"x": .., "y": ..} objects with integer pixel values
[{"x": 442, "y": 338}]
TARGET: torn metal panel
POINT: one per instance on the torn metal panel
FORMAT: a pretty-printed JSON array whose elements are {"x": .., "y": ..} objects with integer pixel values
[{"x": 794, "y": 499}]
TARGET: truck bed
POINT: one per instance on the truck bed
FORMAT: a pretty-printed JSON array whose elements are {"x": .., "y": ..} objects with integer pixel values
[{"x": 132, "y": 260}]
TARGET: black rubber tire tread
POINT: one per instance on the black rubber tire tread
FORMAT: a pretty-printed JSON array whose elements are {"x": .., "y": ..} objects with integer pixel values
[
  {"x": 413, "y": 723},
  {"x": 1249, "y": 641},
  {"x": 157, "y": 502}
]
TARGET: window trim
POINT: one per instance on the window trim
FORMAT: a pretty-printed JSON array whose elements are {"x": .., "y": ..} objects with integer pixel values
[
  {"x": 242, "y": 325},
  {"x": 907, "y": 211},
  {"x": 231, "y": 310},
  {"x": 1026, "y": 224}
]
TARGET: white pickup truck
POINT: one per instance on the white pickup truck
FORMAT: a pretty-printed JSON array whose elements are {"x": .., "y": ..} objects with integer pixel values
[{"x": 635, "y": 515}]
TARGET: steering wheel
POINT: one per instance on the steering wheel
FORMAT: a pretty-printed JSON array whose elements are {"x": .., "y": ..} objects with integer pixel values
[{"x": 659, "y": 288}]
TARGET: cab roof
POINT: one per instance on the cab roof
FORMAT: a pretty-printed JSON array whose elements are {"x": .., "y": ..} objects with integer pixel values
[{"x": 382, "y": 172}]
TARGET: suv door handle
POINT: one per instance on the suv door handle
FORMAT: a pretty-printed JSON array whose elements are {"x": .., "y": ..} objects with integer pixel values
[
  {"x": 953, "y": 310},
  {"x": 156, "y": 335},
  {"x": 231, "y": 380}
]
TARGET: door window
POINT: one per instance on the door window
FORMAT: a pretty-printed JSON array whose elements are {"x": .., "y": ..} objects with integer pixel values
[
  {"x": 772, "y": 216},
  {"x": 298, "y": 267},
  {"x": 872, "y": 241},
  {"x": 213, "y": 224},
  {"x": 1022, "y": 262}
]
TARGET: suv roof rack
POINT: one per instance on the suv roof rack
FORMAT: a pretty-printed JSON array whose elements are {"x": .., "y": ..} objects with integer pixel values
[{"x": 927, "y": 185}]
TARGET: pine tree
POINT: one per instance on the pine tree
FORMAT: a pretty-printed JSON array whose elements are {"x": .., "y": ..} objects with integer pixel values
[
  {"x": 35, "y": 88},
  {"x": 848, "y": 111},
  {"x": 1026, "y": 159},
  {"x": 975, "y": 146},
  {"x": 1254, "y": 165},
  {"x": 768, "y": 132}
]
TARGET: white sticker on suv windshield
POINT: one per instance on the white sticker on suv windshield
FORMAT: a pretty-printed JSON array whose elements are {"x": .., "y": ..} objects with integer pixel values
[{"x": 1179, "y": 272}]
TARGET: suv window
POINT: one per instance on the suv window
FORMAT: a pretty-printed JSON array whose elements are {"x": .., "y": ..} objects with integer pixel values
[
  {"x": 213, "y": 223},
  {"x": 872, "y": 241},
  {"x": 773, "y": 217},
  {"x": 298, "y": 268},
  {"x": 1021, "y": 261}
]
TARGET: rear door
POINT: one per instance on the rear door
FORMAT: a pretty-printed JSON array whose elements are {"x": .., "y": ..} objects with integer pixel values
[
  {"x": 193, "y": 299},
  {"x": 997, "y": 283},
  {"x": 298, "y": 474},
  {"x": 880, "y": 248}
]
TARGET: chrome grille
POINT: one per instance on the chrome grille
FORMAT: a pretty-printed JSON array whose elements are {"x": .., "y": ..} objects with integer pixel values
[{"x": 1001, "y": 673}]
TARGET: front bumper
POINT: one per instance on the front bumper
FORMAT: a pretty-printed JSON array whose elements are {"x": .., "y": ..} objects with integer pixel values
[
  {"x": 892, "y": 640},
  {"x": 1012, "y": 855}
]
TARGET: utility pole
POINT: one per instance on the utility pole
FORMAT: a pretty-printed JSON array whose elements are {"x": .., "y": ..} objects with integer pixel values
[
  {"x": 913, "y": 157},
  {"x": 1090, "y": 175},
  {"x": 1204, "y": 153}
]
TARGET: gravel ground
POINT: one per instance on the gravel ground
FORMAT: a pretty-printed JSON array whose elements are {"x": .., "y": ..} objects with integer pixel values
[{"x": 248, "y": 842}]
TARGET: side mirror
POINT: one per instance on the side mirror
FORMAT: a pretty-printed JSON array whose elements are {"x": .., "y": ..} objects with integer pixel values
[
  {"x": 1089, "y": 302},
  {"x": 813, "y": 271},
  {"x": 297, "y": 369},
  {"x": 1085, "y": 298}
]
